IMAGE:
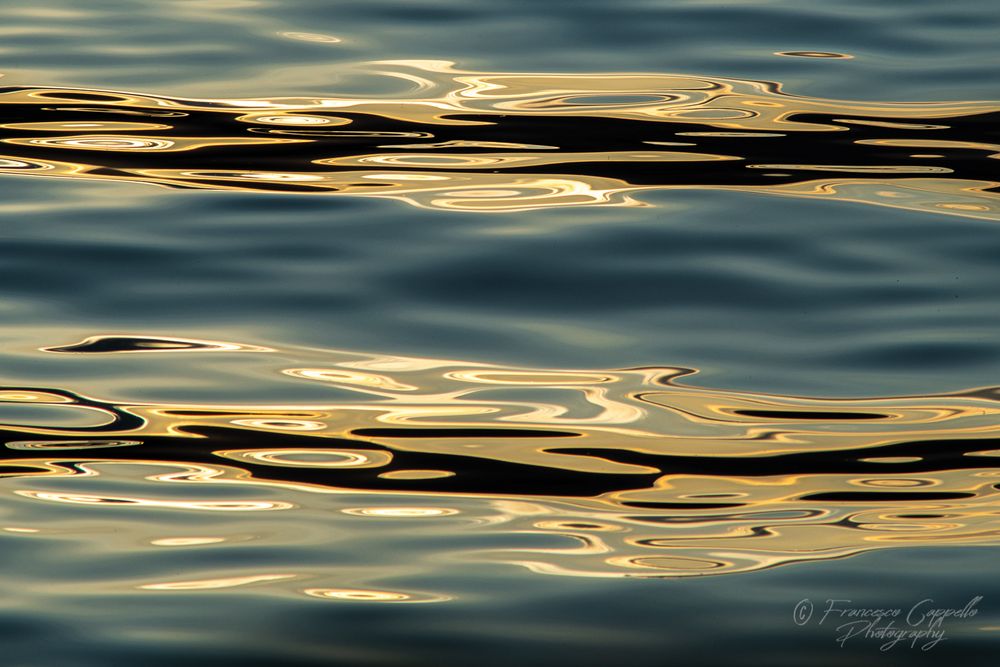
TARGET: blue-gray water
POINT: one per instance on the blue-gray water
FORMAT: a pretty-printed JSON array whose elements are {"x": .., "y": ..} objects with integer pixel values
[{"x": 404, "y": 332}]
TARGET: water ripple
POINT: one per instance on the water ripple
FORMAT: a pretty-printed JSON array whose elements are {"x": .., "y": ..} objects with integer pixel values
[
  {"x": 632, "y": 472},
  {"x": 508, "y": 142}
]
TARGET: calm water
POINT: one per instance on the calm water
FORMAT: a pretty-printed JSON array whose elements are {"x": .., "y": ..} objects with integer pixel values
[{"x": 412, "y": 332}]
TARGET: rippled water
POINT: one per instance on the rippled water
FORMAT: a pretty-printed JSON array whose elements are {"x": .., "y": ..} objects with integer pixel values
[{"x": 429, "y": 333}]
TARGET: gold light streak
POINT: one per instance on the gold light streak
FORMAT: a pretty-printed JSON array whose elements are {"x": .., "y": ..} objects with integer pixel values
[
  {"x": 683, "y": 480},
  {"x": 488, "y": 174}
]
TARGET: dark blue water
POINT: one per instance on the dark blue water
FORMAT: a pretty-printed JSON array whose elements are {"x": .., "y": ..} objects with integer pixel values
[{"x": 427, "y": 333}]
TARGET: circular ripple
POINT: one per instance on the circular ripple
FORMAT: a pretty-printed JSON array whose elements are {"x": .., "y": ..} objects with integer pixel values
[
  {"x": 311, "y": 458},
  {"x": 70, "y": 444},
  {"x": 297, "y": 120},
  {"x": 105, "y": 143}
]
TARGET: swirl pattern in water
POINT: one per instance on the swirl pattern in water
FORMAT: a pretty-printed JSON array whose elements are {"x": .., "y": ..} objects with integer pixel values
[
  {"x": 618, "y": 473},
  {"x": 502, "y": 142}
]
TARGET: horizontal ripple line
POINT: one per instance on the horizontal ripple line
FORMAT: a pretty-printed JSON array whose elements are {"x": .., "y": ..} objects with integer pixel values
[
  {"x": 638, "y": 473},
  {"x": 506, "y": 142}
]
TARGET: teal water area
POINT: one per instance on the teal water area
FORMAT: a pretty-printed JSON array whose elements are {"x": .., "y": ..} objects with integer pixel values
[{"x": 424, "y": 332}]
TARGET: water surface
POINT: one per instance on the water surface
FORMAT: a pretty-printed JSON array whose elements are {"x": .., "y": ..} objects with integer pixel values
[{"x": 423, "y": 333}]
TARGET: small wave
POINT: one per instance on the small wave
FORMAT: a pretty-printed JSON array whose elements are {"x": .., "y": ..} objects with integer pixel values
[
  {"x": 635, "y": 471},
  {"x": 486, "y": 142}
]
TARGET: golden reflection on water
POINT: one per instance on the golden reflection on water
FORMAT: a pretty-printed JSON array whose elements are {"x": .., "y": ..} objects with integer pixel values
[
  {"x": 472, "y": 141},
  {"x": 611, "y": 473}
]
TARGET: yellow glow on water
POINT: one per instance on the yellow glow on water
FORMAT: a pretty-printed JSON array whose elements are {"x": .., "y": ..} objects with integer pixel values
[
  {"x": 416, "y": 474},
  {"x": 186, "y": 541},
  {"x": 287, "y": 143},
  {"x": 213, "y": 584},
  {"x": 619, "y": 473},
  {"x": 310, "y": 458}
]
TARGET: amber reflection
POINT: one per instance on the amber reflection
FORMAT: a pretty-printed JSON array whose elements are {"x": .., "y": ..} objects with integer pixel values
[
  {"x": 613, "y": 473},
  {"x": 487, "y": 142}
]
